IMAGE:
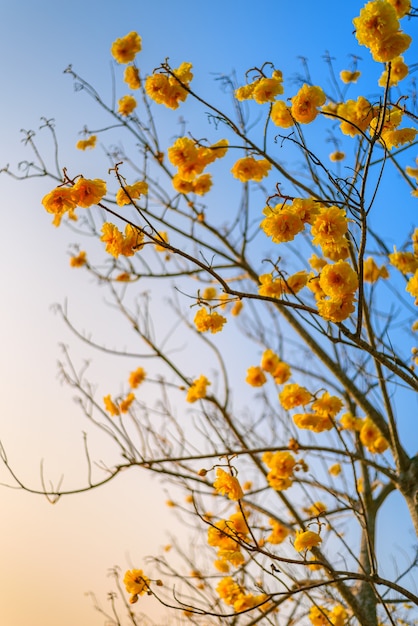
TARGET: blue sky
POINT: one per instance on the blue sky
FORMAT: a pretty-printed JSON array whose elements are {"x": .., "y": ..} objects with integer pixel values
[{"x": 65, "y": 550}]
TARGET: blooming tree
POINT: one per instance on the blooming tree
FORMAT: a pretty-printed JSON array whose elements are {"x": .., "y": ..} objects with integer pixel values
[{"x": 284, "y": 482}]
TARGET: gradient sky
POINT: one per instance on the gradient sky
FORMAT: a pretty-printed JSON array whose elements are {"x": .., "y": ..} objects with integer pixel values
[{"x": 52, "y": 555}]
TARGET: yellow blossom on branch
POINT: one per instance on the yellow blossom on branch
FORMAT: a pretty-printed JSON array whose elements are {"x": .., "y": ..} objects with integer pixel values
[
  {"x": 248, "y": 168},
  {"x": 79, "y": 260},
  {"x": 137, "y": 377},
  {"x": 294, "y": 395},
  {"x": 348, "y": 76},
  {"x": 227, "y": 485},
  {"x": 110, "y": 406},
  {"x": 89, "y": 192},
  {"x": 255, "y": 377},
  {"x": 305, "y": 540},
  {"x": 83, "y": 144},
  {"x": 305, "y": 104},
  {"x": 126, "y": 48},
  {"x": 136, "y": 583},
  {"x": 126, "y": 194},
  {"x": 212, "y": 322},
  {"x": 197, "y": 389},
  {"x": 131, "y": 77},
  {"x": 126, "y": 105}
]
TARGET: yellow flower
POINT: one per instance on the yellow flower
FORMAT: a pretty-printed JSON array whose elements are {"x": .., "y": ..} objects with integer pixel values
[
  {"x": 348, "y": 76},
  {"x": 89, "y": 192},
  {"x": 305, "y": 540},
  {"x": 59, "y": 201},
  {"x": 281, "y": 114},
  {"x": 331, "y": 224},
  {"x": 338, "y": 280},
  {"x": 202, "y": 184},
  {"x": 79, "y": 260},
  {"x": 281, "y": 224},
  {"x": 126, "y": 105},
  {"x": 248, "y": 168},
  {"x": 405, "y": 262},
  {"x": 128, "y": 193},
  {"x": 371, "y": 437},
  {"x": 316, "y": 509},
  {"x": 350, "y": 422},
  {"x": 167, "y": 90},
  {"x": 313, "y": 421},
  {"x": 266, "y": 89},
  {"x": 255, "y": 377},
  {"x": 336, "y": 310},
  {"x": 376, "y": 22},
  {"x": 397, "y": 137},
  {"x": 137, "y": 377},
  {"x": 87, "y": 143},
  {"x": 136, "y": 582},
  {"x": 197, "y": 389},
  {"x": 205, "y": 321},
  {"x": 356, "y": 115},
  {"x": 162, "y": 235},
  {"x": 110, "y": 406},
  {"x": 281, "y": 373},
  {"x": 294, "y": 395},
  {"x": 131, "y": 77},
  {"x": 117, "y": 243},
  {"x": 278, "y": 533},
  {"x": 335, "y": 470},
  {"x": 398, "y": 71},
  {"x": 319, "y": 616},
  {"x": 126, "y": 403},
  {"x": 337, "y": 156},
  {"x": 305, "y": 104},
  {"x": 402, "y": 7},
  {"x": 126, "y": 48},
  {"x": 371, "y": 273},
  {"x": 412, "y": 286},
  {"x": 281, "y": 464},
  {"x": 269, "y": 361},
  {"x": 227, "y": 485}
]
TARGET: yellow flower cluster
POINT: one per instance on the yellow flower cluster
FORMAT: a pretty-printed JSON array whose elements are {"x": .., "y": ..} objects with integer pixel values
[
  {"x": 212, "y": 321},
  {"x": 197, "y": 389},
  {"x": 378, "y": 28},
  {"x": 279, "y": 370},
  {"x": 191, "y": 160},
  {"x": 169, "y": 90},
  {"x": 282, "y": 465},
  {"x": 126, "y": 48},
  {"x": 136, "y": 583},
  {"x": 271, "y": 363},
  {"x": 83, "y": 144},
  {"x": 84, "y": 193},
  {"x": 320, "y": 616},
  {"x": 356, "y": 116},
  {"x": 227, "y": 485},
  {"x": 370, "y": 435},
  {"x": 225, "y": 535},
  {"x": 249, "y": 168},
  {"x": 262, "y": 89},
  {"x": 323, "y": 409},
  {"x": 126, "y": 244},
  {"x": 236, "y": 596}
]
